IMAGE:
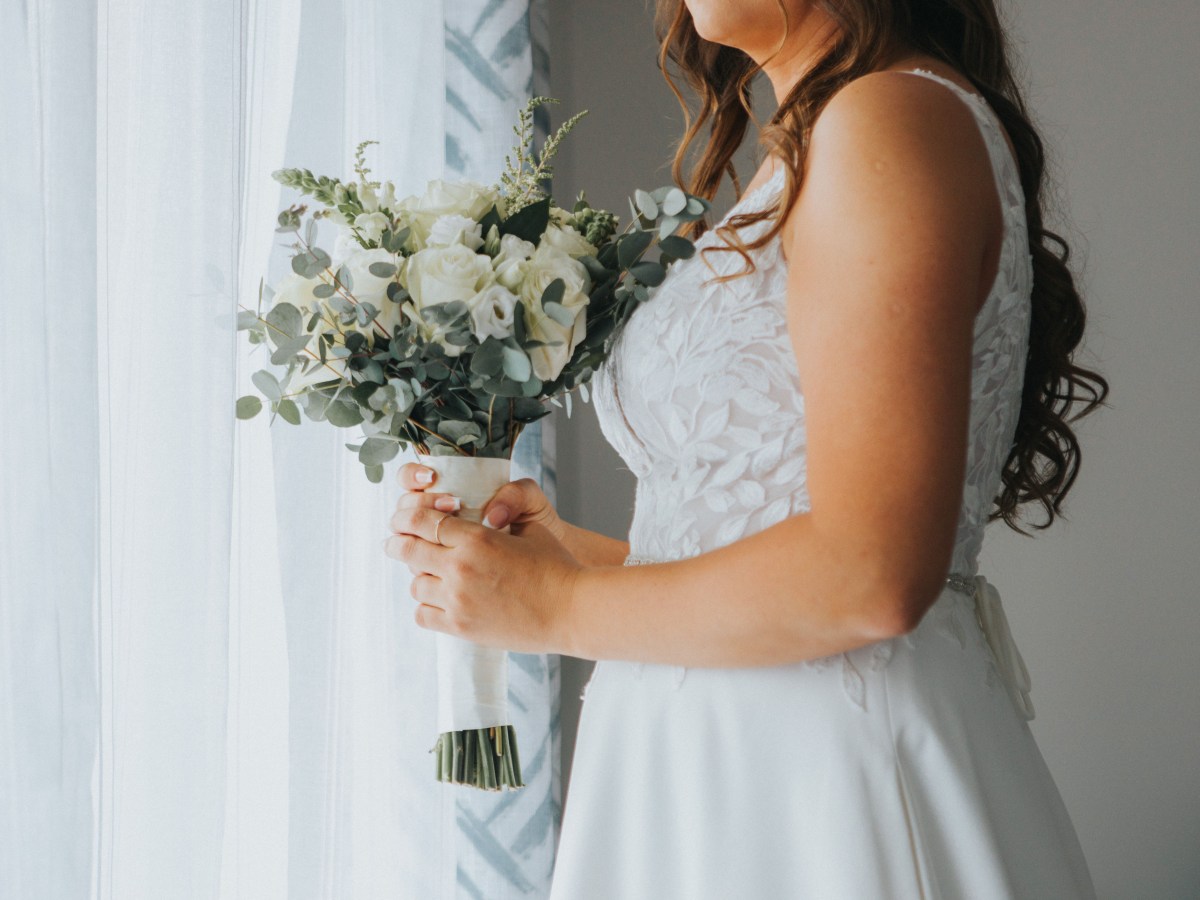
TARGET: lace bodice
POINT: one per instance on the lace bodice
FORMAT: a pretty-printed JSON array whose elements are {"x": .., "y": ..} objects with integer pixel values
[{"x": 701, "y": 395}]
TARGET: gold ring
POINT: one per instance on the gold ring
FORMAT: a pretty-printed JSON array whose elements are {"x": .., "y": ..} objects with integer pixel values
[{"x": 437, "y": 528}]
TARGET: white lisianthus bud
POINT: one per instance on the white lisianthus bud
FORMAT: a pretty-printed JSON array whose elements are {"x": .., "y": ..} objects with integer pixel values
[
  {"x": 568, "y": 240},
  {"x": 455, "y": 229},
  {"x": 387, "y": 197},
  {"x": 547, "y": 264},
  {"x": 368, "y": 198},
  {"x": 442, "y": 274},
  {"x": 492, "y": 312},
  {"x": 558, "y": 215},
  {"x": 512, "y": 273},
  {"x": 371, "y": 225},
  {"x": 491, "y": 244}
]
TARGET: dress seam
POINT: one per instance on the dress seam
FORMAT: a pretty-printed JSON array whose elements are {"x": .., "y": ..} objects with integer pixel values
[{"x": 915, "y": 841}]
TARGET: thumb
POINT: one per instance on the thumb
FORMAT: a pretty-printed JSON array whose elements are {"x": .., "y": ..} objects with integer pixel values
[{"x": 515, "y": 501}]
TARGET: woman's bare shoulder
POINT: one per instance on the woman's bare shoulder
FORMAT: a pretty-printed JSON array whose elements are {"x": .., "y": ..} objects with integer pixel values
[{"x": 890, "y": 137}]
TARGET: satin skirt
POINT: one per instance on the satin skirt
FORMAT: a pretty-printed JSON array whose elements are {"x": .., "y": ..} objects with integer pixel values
[{"x": 904, "y": 769}]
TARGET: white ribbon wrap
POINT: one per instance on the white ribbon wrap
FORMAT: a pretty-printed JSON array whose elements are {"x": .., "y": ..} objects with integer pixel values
[
  {"x": 1004, "y": 649},
  {"x": 472, "y": 681}
]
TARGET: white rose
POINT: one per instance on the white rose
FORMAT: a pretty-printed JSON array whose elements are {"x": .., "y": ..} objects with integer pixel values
[
  {"x": 464, "y": 198},
  {"x": 371, "y": 225},
  {"x": 345, "y": 245},
  {"x": 370, "y": 288},
  {"x": 549, "y": 263},
  {"x": 568, "y": 240},
  {"x": 455, "y": 229},
  {"x": 443, "y": 274},
  {"x": 558, "y": 215},
  {"x": 298, "y": 291},
  {"x": 512, "y": 248},
  {"x": 492, "y": 312}
]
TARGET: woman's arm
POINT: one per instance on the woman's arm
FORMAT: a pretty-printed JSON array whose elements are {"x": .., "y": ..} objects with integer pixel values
[
  {"x": 887, "y": 253},
  {"x": 590, "y": 547}
]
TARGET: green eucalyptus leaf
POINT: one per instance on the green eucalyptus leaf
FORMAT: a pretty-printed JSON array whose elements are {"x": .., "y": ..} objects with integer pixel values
[
  {"x": 288, "y": 411},
  {"x": 516, "y": 363},
  {"x": 519, "y": 325},
  {"x": 677, "y": 247},
  {"x": 376, "y": 451},
  {"x": 324, "y": 290},
  {"x": 675, "y": 202},
  {"x": 382, "y": 269},
  {"x": 667, "y": 226},
  {"x": 343, "y": 414},
  {"x": 489, "y": 358},
  {"x": 284, "y": 320},
  {"x": 561, "y": 314},
  {"x": 246, "y": 320},
  {"x": 315, "y": 405},
  {"x": 366, "y": 312},
  {"x": 267, "y": 383},
  {"x": 595, "y": 268},
  {"x": 648, "y": 273},
  {"x": 374, "y": 474},
  {"x": 248, "y": 407},
  {"x": 460, "y": 432},
  {"x": 285, "y": 350},
  {"x": 554, "y": 292},
  {"x": 373, "y": 371},
  {"x": 646, "y": 204},
  {"x": 631, "y": 246}
]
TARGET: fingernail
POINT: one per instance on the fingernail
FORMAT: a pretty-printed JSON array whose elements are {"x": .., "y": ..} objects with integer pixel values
[
  {"x": 497, "y": 517},
  {"x": 424, "y": 476},
  {"x": 447, "y": 503}
]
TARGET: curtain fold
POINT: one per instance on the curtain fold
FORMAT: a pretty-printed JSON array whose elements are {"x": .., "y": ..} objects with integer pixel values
[
  {"x": 49, "y": 441},
  {"x": 211, "y": 684}
]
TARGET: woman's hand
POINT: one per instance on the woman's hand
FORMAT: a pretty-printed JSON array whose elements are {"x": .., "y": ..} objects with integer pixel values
[
  {"x": 479, "y": 583},
  {"x": 518, "y": 503}
]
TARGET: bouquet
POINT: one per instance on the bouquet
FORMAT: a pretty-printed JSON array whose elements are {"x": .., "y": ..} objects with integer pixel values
[{"x": 445, "y": 323}]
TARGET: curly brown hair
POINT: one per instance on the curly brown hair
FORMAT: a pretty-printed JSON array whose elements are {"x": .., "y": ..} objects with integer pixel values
[{"x": 967, "y": 35}]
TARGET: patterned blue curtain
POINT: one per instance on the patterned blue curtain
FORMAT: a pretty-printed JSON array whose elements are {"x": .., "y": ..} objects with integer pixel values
[{"x": 496, "y": 58}]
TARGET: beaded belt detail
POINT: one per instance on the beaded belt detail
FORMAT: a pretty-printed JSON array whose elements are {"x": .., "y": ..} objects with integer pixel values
[{"x": 989, "y": 613}]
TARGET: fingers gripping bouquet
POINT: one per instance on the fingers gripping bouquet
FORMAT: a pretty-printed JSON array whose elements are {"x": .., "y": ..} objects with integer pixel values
[{"x": 447, "y": 322}]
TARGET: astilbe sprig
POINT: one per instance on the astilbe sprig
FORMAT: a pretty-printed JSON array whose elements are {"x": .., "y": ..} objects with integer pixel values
[{"x": 520, "y": 182}]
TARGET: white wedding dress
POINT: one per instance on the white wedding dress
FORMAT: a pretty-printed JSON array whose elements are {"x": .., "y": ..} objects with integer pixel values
[{"x": 904, "y": 769}]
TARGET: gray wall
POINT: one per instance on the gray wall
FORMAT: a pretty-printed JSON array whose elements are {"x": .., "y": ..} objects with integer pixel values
[{"x": 1104, "y": 606}]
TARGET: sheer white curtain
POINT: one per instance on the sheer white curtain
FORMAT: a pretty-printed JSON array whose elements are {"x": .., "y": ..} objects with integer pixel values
[{"x": 210, "y": 681}]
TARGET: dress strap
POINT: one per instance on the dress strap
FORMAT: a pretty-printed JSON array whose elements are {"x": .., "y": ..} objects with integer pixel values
[{"x": 989, "y": 123}]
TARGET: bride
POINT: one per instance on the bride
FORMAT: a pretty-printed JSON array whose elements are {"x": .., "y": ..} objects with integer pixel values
[{"x": 804, "y": 687}]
